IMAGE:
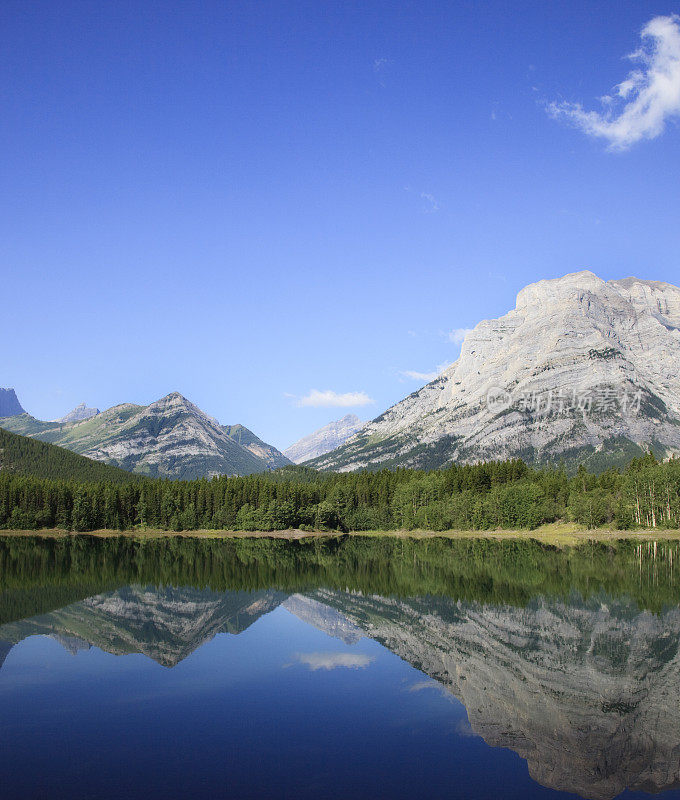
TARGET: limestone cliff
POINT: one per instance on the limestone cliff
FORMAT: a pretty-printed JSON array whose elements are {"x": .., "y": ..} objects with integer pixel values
[{"x": 581, "y": 369}]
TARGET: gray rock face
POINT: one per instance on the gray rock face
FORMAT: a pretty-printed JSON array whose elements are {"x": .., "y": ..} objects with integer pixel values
[
  {"x": 79, "y": 413},
  {"x": 324, "y": 440},
  {"x": 9, "y": 404},
  {"x": 581, "y": 368}
]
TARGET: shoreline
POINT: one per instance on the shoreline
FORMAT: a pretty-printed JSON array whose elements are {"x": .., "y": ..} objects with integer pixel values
[{"x": 555, "y": 534}]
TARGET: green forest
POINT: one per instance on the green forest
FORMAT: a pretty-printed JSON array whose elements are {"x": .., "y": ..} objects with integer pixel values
[
  {"x": 485, "y": 496},
  {"x": 25, "y": 456}
]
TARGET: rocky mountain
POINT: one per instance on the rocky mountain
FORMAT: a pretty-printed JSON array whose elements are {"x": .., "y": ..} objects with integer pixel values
[
  {"x": 79, "y": 413},
  {"x": 581, "y": 370},
  {"x": 9, "y": 403},
  {"x": 267, "y": 452},
  {"x": 323, "y": 440},
  {"x": 170, "y": 438}
]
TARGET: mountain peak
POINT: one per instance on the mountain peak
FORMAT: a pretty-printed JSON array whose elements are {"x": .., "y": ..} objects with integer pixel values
[
  {"x": 171, "y": 438},
  {"x": 558, "y": 288},
  {"x": 173, "y": 397},
  {"x": 9, "y": 404},
  {"x": 79, "y": 414}
]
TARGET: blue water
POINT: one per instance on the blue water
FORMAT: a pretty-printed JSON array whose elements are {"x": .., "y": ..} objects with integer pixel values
[
  {"x": 339, "y": 668},
  {"x": 281, "y": 709},
  {"x": 243, "y": 716}
]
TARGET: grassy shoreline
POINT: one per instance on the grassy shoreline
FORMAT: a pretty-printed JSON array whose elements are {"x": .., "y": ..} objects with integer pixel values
[{"x": 559, "y": 534}]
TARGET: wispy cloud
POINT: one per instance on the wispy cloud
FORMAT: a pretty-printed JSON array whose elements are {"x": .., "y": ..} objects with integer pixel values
[
  {"x": 640, "y": 105},
  {"x": 381, "y": 67},
  {"x": 316, "y": 661},
  {"x": 431, "y": 685},
  {"x": 331, "y": 399},
  {"x": 431, "y": 204},
  {"x": 426, "y": 685},
  {"x": 426, "y": 377},
  {"x": 458, "y": 334},
  {"x": 419, "y": 376}
]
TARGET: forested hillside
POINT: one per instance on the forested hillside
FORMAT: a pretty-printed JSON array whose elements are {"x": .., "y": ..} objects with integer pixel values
[
  {"x": 476, "y": 497},
  {"x": 23, "y": 456}
]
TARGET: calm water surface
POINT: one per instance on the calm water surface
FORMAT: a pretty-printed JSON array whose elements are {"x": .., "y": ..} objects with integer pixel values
[{"x": 351, "y": 668}]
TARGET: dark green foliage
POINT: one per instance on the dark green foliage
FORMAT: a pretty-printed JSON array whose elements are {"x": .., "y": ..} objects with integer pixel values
[
  {"x": 487, "y": 496},
  {"x": 23, "y": 456},
  {"x": 38, "y": 574}
]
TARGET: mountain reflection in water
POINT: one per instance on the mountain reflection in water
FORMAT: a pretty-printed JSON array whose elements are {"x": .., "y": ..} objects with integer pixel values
[{"x": 582, "y": 679}]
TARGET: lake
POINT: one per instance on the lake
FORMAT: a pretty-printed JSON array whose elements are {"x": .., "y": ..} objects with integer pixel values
[{"x": 340, "y": 667}]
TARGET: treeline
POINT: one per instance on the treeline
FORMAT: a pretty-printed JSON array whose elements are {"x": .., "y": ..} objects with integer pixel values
[
  {"x": 476, "y": 497},
  {"x": 25, "y": 456}
]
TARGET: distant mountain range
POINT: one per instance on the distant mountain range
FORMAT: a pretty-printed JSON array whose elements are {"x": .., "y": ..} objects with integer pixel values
[
  {"x": 170, "y": 438},
  {"x": 78, "y": 414},
  {"x": 582, "y": 371},
  {"x": 323, "y": 440}
]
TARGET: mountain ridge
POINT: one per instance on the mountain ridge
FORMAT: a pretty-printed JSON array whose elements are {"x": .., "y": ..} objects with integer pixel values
[
  {"x": 568, "y": 341},
  {"x": 170, "y": 438},
  {"x": 79, "y": 413}
]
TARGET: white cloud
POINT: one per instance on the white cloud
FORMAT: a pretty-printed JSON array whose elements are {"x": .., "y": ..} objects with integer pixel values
[
  {"x": 419, "y": 376},
  {"x": 316, "y": 661},
  {"x": 431, "y": 685},
  {"x": 431, "y": 205},
  {"x": 640, "y": 105},
  {"x": 458, "y": 334},
  {"x": 331, "y": 399},
  {"x": 425, "y": 376}
]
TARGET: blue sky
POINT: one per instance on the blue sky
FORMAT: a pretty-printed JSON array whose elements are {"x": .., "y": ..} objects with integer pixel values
[{"x": 249, "y": 201}]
